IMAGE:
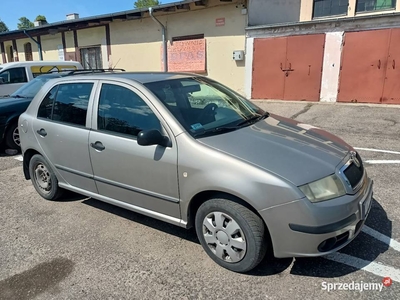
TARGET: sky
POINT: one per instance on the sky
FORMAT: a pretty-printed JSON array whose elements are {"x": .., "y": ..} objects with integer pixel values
[{"x": 56, "y": 10}]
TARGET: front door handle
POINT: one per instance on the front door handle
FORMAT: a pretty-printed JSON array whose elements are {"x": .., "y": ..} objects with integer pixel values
[
  {"x": 42, "y": 132},
  {"x": 98, "y": 146}
]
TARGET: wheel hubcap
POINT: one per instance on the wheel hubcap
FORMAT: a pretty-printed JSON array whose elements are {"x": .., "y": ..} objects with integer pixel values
[
  {"x": 42, "y": 177},
  {"x": 224, "y": 237},
  {"x": 16, "y": 137}
]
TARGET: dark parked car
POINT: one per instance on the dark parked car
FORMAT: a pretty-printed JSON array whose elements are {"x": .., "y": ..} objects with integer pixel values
[{"x": 12, "y": 106}]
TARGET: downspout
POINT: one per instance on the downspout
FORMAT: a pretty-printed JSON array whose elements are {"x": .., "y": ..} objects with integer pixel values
[
  {"x": 164, "y": 39},
  {"x": 37, "y": 43}
]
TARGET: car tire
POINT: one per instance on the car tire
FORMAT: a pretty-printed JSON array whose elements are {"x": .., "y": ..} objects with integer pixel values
[
  {"x": 43, "y": 178},
  {"x": 11, "y": 138},
  {"x": 231, "y": 234}
]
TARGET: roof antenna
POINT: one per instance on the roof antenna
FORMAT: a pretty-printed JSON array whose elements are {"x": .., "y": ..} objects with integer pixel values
[{"x": 116, "y": 64}]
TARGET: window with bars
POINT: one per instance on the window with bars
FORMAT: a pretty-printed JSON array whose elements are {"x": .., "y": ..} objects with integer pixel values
[
  {"x": 91, "y": 58},
  {"x": 374, "y": 5},
  {"x": 326, "y": 8}
]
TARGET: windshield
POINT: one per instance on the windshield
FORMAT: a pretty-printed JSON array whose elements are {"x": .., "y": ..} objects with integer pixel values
[
  {"x": 205, "y": 107},
  {"x": 30, "y": 89}
]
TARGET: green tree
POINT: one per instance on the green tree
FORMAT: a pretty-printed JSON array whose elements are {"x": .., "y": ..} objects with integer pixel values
[
  {"x": 24, "y": 23},
  {"x": 3, "y": 27},
  {"x": 146, "y": 3},
  {"x": 41, "y": 18}
]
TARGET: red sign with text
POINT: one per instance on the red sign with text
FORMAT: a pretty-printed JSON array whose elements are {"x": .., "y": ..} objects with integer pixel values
[
  {"x": 187, "y": 56},
  {"x": 220, "y": 22}
]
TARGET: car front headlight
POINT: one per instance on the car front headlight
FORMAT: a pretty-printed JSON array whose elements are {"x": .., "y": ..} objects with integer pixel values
[{"x": 324, "y": 189}]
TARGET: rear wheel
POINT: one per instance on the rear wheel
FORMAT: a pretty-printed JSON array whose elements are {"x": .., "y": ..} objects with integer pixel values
[
  {"x": 12, "y": 137},
  {"x": 231, "y": 234},
  {"x": 43, "y": 178}
]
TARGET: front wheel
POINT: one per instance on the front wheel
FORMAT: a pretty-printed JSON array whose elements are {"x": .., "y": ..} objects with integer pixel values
[
  {"x": 43, "y": 178},
  {"x": 231, "y": 234},
  {"x": 12, "y": 137}
]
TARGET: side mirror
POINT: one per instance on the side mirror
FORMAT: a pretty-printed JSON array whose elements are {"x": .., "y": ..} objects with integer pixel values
[{"x": 152, "y": 137}]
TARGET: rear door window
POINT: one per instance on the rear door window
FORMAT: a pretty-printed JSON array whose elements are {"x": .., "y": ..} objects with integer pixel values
[{"x": 67, "y": 103}]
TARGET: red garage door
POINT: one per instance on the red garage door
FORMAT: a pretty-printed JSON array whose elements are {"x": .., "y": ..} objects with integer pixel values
[
  {"x": 268, "y": 78},
  {"x": 369, "y": 72},
  {"x": 391, "y": 89},
  {"x": 363, "y": 66},
  {"x": 288, "y": 68}
]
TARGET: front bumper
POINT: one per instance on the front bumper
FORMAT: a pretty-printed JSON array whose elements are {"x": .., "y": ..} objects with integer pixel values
[
  {"x": 2, "y": 132},
  {"x": 305, "y": 229}
]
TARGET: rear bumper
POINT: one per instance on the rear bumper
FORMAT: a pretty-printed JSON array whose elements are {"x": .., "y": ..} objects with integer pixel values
[{"x": 305, "y": 229}]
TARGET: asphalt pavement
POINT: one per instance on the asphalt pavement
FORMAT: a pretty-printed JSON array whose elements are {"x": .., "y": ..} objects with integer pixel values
[{"x": 81, "y": 248}]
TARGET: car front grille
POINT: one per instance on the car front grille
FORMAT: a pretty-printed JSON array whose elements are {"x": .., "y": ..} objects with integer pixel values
[{"x": 353, "y": 173}]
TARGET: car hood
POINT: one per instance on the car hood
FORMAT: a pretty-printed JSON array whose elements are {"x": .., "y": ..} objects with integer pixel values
[
  {"x": 298, "y": 152},
  {"x": 6, "y": 103}
]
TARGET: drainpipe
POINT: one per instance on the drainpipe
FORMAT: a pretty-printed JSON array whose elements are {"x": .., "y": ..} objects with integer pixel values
[
  {"x": 164, "y": 39},
  {"x": 37, "y": 43}
]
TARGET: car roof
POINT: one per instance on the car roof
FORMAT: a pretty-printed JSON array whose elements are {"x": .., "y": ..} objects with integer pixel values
[
  {"x": 53, "y": 75},
  {"x": 141, "y": 77}
]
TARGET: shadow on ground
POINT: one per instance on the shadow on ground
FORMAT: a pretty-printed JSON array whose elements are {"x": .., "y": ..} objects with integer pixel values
[{"x": 363, "y": 246}]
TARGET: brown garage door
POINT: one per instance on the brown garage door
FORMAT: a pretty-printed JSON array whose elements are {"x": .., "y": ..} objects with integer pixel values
[
  {"x": 268, "y": 78},
  {"x": 304, "y": 59},
  {"x": 363, "y": 67},
  {"x": 288, "y": 68},
  {"x": 391, "y": 90}
]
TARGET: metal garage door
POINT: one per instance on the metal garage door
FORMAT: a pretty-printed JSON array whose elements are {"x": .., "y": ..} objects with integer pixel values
[
  {"x": 268, "y": 78},
  {"x": 363, "y": 68},
  {"x": 304, "y": 62},
  {"x": 391, "y": 90},
  {"x": 288, "y": 68}
]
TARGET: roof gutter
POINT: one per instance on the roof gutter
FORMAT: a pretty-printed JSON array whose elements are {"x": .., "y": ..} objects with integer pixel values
[
  {"x": 164, "y": 39},
  {"x": 37, "y": 43}
]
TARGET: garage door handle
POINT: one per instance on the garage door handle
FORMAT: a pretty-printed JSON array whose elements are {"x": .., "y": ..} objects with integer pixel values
[
  {"x": 42, "y": 132},
  {"x": 97, "y": 146}
]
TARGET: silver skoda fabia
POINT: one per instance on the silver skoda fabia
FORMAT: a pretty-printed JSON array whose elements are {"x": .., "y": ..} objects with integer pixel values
[{"x": 189, "y": 151}]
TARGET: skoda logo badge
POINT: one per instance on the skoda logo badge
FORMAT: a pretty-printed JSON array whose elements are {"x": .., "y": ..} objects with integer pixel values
[{"x": 353, "y": 156}]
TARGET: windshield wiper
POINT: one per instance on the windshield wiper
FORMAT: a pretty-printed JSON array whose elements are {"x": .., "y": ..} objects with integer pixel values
[
  {"x": 216, "y": 130},
  {"x": 18, "y": 96},
  {"x": 254, "y": 119}
]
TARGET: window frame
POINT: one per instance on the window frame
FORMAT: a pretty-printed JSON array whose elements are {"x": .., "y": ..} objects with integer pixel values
[
  {"x": 89, "y": 112},
  {"x": 165, "y": 129},
  {"x": 375, "y": 10},
  {"x": 331, "y": 15},
  {"x": 96, "y": 48}
]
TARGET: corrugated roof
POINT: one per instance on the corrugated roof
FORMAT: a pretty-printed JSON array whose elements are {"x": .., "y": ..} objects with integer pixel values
[{"x": 128, "y": 14}]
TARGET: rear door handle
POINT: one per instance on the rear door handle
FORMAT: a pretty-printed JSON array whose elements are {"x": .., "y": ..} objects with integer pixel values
[
  {"x": 98, "y": 146},
  {"x": 42, "y": 132}
]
